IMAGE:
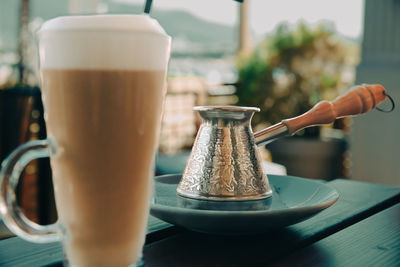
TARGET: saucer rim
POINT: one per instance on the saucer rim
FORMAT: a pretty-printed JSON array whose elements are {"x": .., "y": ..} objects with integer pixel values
[{"x": 333, "y": 197}]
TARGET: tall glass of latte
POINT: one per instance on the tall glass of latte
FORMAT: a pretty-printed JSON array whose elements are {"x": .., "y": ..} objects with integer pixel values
[{"x": 103, "y": 83}]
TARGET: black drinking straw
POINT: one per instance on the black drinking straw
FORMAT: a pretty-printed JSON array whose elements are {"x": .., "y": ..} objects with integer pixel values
[{"x": 147, "y": 7}]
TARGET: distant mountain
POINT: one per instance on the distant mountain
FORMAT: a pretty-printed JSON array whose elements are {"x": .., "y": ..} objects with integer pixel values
[
  {"x": 182, "y": 24},
  {"x": 190, "y": 33}
]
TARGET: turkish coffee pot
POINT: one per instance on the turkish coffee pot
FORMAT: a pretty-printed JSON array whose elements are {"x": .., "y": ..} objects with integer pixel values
[{"x": 225, "y": 163}]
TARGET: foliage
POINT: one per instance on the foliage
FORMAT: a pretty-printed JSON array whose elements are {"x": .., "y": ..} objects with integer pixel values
[{"x": 290, "y": 72}]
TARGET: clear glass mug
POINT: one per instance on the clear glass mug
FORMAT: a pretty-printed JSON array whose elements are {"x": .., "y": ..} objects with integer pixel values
[{"x": 103, "y": 85}]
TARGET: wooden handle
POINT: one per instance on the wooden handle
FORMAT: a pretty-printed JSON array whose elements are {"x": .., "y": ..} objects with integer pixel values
[{"x": 357, "y": 100}]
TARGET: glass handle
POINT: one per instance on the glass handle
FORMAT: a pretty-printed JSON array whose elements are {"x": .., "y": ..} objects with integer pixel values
[{"x": 12, "y": 215}]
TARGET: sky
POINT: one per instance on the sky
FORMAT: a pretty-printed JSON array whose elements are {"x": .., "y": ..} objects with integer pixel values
[{"x": 347, "y": 15}]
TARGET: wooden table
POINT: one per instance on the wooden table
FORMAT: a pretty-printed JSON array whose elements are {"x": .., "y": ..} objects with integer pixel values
[{"x": 361, "y": 229}]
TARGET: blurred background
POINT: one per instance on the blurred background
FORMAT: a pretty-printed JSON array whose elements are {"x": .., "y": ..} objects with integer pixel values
[{"x": 281, "y": 56}]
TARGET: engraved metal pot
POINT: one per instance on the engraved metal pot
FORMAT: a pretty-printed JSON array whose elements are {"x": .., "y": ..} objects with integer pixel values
[{"x": 225, "y": 163}]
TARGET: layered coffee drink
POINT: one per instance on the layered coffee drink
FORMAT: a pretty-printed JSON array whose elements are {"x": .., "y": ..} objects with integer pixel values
[{"x": 103, "y": 83}]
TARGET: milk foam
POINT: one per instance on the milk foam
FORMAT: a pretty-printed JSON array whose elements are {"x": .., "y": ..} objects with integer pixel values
[{"x": 105, "y": 42}]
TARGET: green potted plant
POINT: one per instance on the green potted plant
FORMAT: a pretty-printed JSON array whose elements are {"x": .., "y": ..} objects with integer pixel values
[{"x": 285, "y": 76}]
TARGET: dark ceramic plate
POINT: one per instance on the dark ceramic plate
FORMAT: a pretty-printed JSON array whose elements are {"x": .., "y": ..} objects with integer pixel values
[{"x": 293, "y": 200}]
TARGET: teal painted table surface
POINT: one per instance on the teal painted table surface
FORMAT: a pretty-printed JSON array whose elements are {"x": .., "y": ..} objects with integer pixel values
[{"x": 361, "y": 229}]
